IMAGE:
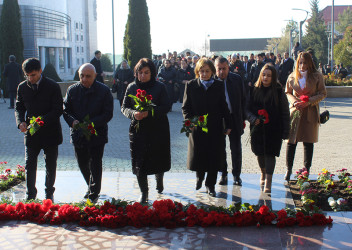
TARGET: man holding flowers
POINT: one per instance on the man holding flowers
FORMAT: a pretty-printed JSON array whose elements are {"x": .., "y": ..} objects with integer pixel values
[
  {"x": 88, "y": 107},
  {"x": 38, "y": 109}
]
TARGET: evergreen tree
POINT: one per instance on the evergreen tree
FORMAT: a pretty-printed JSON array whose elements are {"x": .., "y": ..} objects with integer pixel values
[
  {"x": 11, "y": 42},
  {"x": 106, "y": 64},
  {"x": 137, "y": 40},
  {"x": 343, "y": 50},
  {"x": 50, "y": 72},
  {"x": 316, "y": 36},
  {"x": 284, "y": 40},
  {"x": 345, "y": 19}
]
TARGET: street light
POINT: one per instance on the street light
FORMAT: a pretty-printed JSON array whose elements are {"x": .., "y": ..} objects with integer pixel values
[
  {"x": 113, "y": 38},
  {"x": 301, "y": 24},
  {"x": 290, "y": 41}
]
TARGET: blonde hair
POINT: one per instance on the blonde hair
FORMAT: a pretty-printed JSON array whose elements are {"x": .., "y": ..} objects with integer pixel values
[{"x": 201, "y": 63}]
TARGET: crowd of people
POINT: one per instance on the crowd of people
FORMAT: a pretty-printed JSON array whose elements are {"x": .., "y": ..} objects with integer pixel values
[{"x": 263, "y": 89}]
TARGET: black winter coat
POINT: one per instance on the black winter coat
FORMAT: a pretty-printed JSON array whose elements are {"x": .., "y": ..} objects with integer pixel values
[
  {"x": 206, "y": 150},
  {"x": 286, "y": 68},
  {"x": 97, "y": 102},
  {"x": 150, "y": 144},
  {"x": 97, "y": 64},
  {"x": 45, "y": 102},
  {"x": 123, "y": 75},
  {"x": 255, "y": 71},
  {"x": 168, "y": 74},
  {"x": 267, "y": 138},
  {"x": 13, "y": 73}
]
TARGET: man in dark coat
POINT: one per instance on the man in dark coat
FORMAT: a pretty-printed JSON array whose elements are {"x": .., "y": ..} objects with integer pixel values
[
  {"x": 39, "y": 96},
  {"x": 236, "y": 99},
  {"x": 97, "y": 64},
  {"x": 89, "y": 100},
  {"x": 286, "y": 69},
  {"x": 13, "y": 73},
  {"x": 236, "y": 66},
  {"x": 255, "y": 69}
]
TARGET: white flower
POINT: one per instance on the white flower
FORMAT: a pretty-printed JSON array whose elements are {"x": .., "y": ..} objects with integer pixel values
[
  {"x": 332, "y": 203},
  {"x": 305, "y": 185},
  {"x": 341, "y": 201},
  {"x": 330, "y": 199}
]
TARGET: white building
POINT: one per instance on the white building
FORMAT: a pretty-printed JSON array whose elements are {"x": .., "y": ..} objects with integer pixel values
[{"x": 60, "y": 32}]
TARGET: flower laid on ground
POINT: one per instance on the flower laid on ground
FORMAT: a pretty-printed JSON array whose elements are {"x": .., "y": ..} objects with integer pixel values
[
  {"x": 163, "y": 213},
  {"x": 35, "y": 124},
  {"x": 87, "y": 128},
  {"x": 338, "y": 205},
  {"x": 302, "y": 177},
  {"x": 8, "y": 178},
  {"x": 196, "y": 121},
  {"x": 343, "y": 175}
]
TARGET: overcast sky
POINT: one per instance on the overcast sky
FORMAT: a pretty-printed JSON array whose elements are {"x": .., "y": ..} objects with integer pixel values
[{"x": 180, "y": 24}]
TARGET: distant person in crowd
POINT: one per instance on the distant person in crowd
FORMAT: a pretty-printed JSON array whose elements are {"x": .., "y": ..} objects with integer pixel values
[
  {"x": 97, "y": 64},
  {"x": 266, "y": 136},
  {"x": 163, "y": 56},
  {"x": 305, "y": 80},
  {"x": 206, "y": 96},
  {"x": 277, "y": 64},
  {"x": 337, "y": 70},
  {"x": 295, "y": 50},
  {"x": 92, "y": 100},
  {"x": 328, "y": 69},
  {"x": 168, "y": 76},
  {"x": 267, "y": 59},
  {"x": 188, "y": 53},
  {"x": 251, "y": 59},
  {"x": 189, "y": 61},
  {"x": 285, "y": 68},
  {"x": 39, "y": 96},
  {"x": 235, "y": 94},
  {"x": 255, "y": 69},
  {"x": 123, "y": 76},
  {"x": 321, "y": 69},
  {"x": 194, "y": 61},
  {"x": 149, "y": 134},
  {"x": 247, "y": 68},
  {"x": 342, "y": 72},
  {"x": 272, "y": 58},
  {"x": 174, "y": 54},
  {"x": 184, "y": 74},
  {"x": 13, "y": 74},
  {"x": 236, "y": 66}
]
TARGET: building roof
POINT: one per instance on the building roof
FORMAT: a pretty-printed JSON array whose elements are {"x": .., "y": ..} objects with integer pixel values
[
  {"x": 338, "y": 9},
  {"x": 247, "y": 44}
]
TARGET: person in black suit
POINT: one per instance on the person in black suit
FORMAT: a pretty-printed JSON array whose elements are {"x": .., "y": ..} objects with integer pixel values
[
  {"x": 13, "y": 74},
  {"x": 236, "y": 99},
  {"x": 39, "y": 96},
  {"x": 92, "y": 98},
  {"x": 97, "y": 64},
  {"x": 285, "y": 68}
]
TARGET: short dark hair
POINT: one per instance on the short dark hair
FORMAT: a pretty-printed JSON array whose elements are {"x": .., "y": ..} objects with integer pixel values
[
  {"x": 12, "y": 58},
  {"x": 97, "y": 52},
  {"x": 221, "y": 59},
  {"x": 31, "y": 64},
  {"x": 145, "y": 62}
]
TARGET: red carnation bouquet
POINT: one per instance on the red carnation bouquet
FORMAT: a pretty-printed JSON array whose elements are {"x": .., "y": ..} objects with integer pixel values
[
  {"x": 296, "y": 115},
  {"x": 87, "y": 128},
  {"x": 263, "y": 117},
  {"x": 200, "y": 121},
  {"x": 35, "y": 124},
  {"x": 143, "y": 103}
]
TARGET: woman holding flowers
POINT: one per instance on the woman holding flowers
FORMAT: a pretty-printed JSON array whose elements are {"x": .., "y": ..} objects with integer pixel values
[
  {"x": 268, "y": 113},
  {"x": 206, "y": 95},
  {"x": 149, "y": 129},
  {"x": 305, "y": 89}
]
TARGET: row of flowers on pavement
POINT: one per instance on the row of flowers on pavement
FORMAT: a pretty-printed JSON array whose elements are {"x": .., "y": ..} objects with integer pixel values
[
  {"x": 328, "y": 182},
  {"x": 162, "y": 213},
  {"x": 8, "y": 176}
]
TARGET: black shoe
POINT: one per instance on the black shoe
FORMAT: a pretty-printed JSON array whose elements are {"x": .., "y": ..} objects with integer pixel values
[
  {"x": 211, "y": 191},
  {"x": 160, "y": 188},
  {"x": 49, "y": 197},
  {"x": 159, "y": 182},
  {"x": 199, "y": 184},
  {"x": 237, "y": 181},
  {"x": 143, "y": 198},
  {"x": 288, "y": 175},
  {"x": 86, "y": 195},
  {"x": 94, "y": 199},
  {"x": 223, "y": 180}
]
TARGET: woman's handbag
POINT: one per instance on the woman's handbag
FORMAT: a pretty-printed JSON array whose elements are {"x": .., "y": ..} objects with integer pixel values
[{"x": 324, "y": 117}]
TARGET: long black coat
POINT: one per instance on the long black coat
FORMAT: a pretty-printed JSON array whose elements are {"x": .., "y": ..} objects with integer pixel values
[
  {"x": 150, "y": 144},
  {"x": 97, "y": 102},
  {"x": 267, "y": 138},
  {"x": 97, "y": 64},
  {"x": 206, "y": 150},
  {"x": 13, "y": 73},
  {"x": 286, "y": 68},
  {"x": 123, "y": 75},
  {"x": 45, "y": 102}
]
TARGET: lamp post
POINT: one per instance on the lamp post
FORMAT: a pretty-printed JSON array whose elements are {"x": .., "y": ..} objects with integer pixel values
[
  {"x": 291, "y": 30},
  {"x": 113, "y": 38},
  {"x": 332, "y": 36},
  {"x": 301, "y": 24}
]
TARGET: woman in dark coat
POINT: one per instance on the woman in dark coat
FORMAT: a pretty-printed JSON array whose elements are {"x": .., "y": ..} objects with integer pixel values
[
  {"x": 123, "y": 76},
  {"x": 206, "y": 95},
  {"x": 267, "y": 136},
  {"x": 168, "y": 76},
  {"x": 150, "y": 142},
  {"x": 184, "y": 74}
]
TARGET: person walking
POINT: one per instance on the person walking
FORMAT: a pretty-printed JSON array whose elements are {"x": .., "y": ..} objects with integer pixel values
[
  {"x": 97, "y": 64},
  {"x": 39, "y": 97},
  {"x": 306, "y": 82},
  {"x": 268, "y": 113},
  {"x": 13, "y": 74},
  {"x": 123, "y": 76},
  {"x": 206, "y": 96},
  {"x": 149, "y": 131}
]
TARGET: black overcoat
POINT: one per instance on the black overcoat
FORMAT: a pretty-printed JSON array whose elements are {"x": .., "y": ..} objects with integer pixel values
[
  {"x": 267, "y": 138},
  {"x": 123, "y": 75},
  {"x": 206, "y": 150},
  {"x": 13, "y": 73},
  {"x": 150, "y": 143},
  {"x": 45, "y": 102}
]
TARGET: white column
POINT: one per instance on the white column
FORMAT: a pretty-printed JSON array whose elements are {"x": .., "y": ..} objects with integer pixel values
[
  {"x": 57, "y": 60},
  {"x": 42, "y": 56},
  {"x": 66, "y": 59}
]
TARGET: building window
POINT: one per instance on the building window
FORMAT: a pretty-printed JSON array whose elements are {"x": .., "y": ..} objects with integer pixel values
[
  {"x": 76, "y": 25},
  {"x": 82, "y": 49},
  {"x": 81, "y": 37},
  {"x": 77, "y": 61},
  {"x": 77, "y": 50},
  {"x": 82, "y": 60},
  {"x": 81, "y": 26},
  {"x": 77, "y": 38}
]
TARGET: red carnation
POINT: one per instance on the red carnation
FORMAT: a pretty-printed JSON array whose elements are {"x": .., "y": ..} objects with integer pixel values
[
  {"x": 149, "y": 97},
  {"x": 90, "y": 126},
  {"x": 139, "y": 91},
  {"x": 187, "y": 123},
  {"x": 139, "y": 95},
  {"x": 143, "y": 93},
  {"x": 201, "y": 118},
  {"x": 38, "y": 119},
  {"x": 41, "y": 123},
  {"x": 92, "y": 131},
  {"x": 304, "y": 98},
  {"x": 264, "y": 113},
  {"x": 188, "y": 72}
]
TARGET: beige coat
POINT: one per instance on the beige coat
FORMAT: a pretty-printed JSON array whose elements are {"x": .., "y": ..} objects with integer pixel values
[{"x": 305, "y": 125}]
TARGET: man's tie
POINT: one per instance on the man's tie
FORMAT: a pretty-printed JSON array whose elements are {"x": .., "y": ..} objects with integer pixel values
[{"x": 35, "y": 87}]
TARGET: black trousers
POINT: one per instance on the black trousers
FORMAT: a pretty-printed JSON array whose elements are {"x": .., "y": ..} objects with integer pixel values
[
  {"x": 90, "y": 162},
  {"x": 143, "y": 181},
  {"x": 308, "y": 154},
  {"x": 267, "y": 162},
  {"x": 31, "y": 158},
  {"x": 236, "y": 155},
  {"x": 12, "y": 96},
  {"x": 210, "y": 181}
]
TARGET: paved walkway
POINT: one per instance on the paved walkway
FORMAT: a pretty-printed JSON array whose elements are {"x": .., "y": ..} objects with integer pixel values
[{"x": 333, "y": 151}]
